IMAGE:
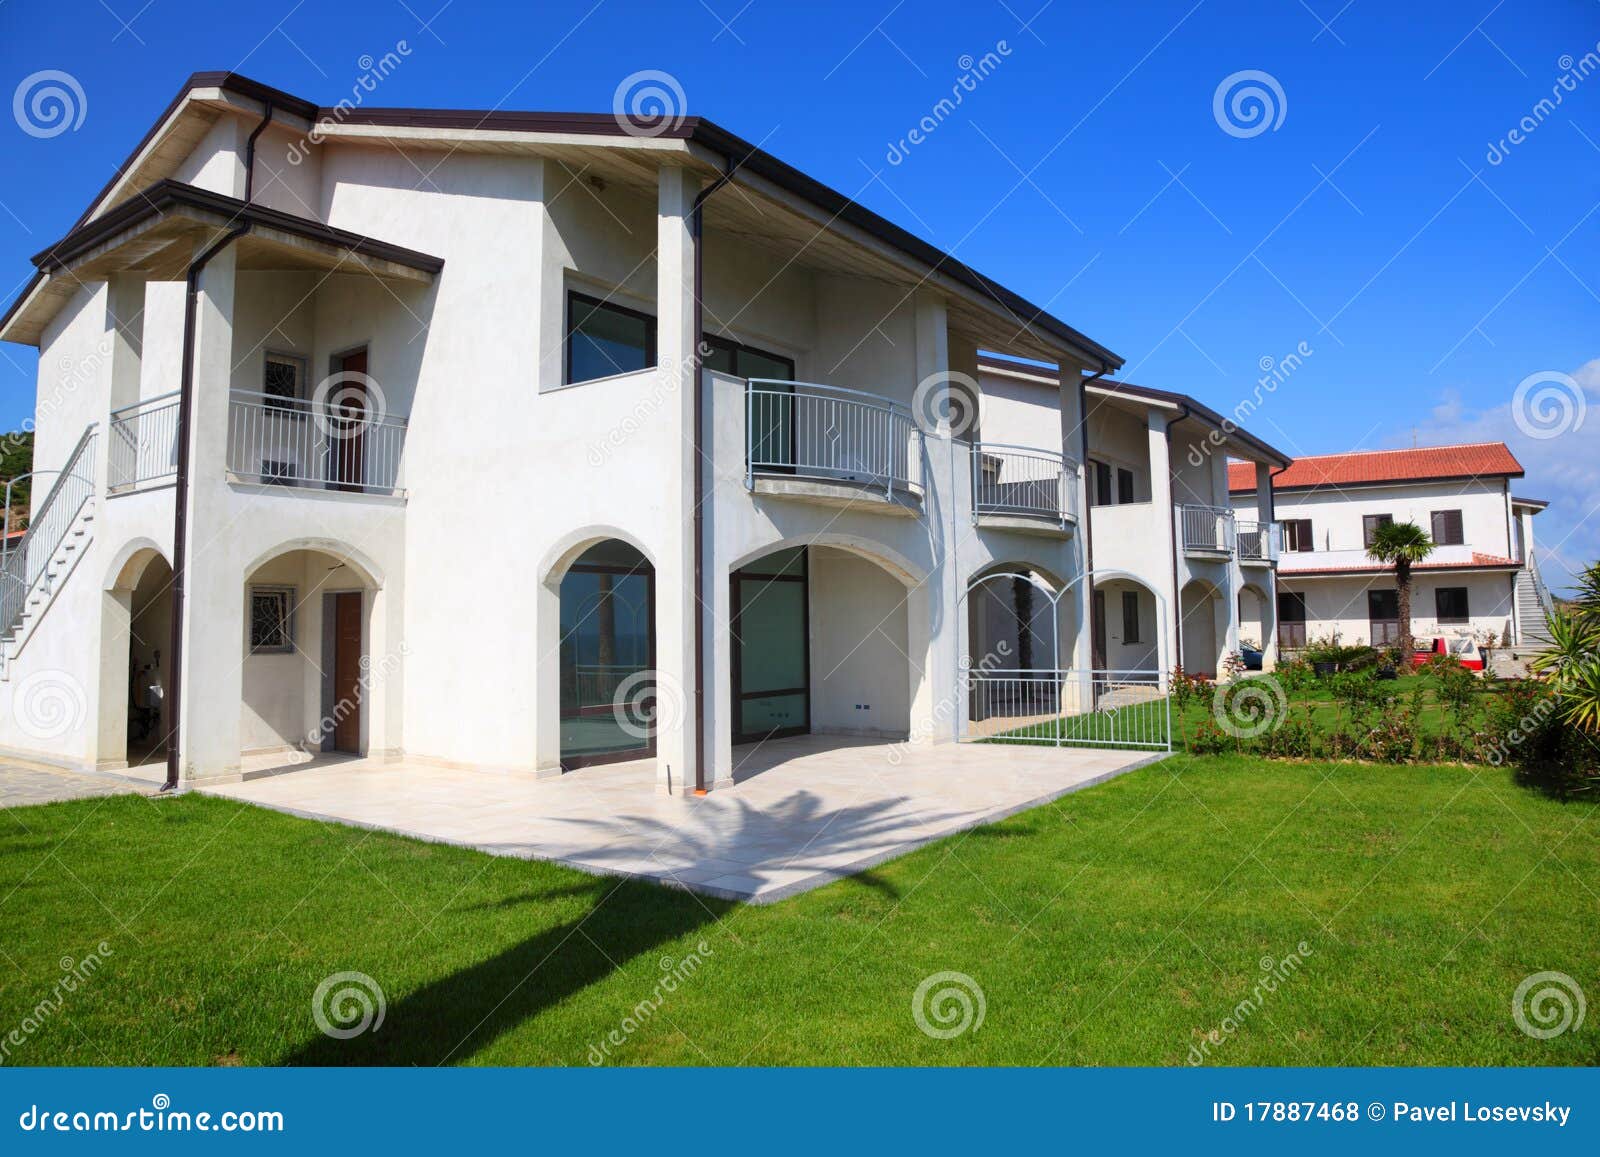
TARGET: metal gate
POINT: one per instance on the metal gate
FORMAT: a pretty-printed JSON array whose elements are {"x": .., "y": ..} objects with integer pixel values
[{"x": 1063, "y": 706}]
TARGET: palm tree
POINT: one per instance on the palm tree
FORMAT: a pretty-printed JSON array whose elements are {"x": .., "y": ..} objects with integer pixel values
[
  {"x": 1572, "y": 662},
  {"x": 1400, "y": 545}
]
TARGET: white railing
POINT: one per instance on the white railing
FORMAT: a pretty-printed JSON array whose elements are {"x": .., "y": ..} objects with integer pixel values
[
  {"x": 1207, "y": 529},
  {"x": 1068, "y": 707},
  {"x": 814, "y": 431},
  {"x": 1009, "y": 479},
  {"x": 596, "y": 684},
  {"x": 143, "y": 442},
  {"x": 1260, "y": 542},
  {"x": 350, "y": 446},
  {"x": 28, "y": 561}
]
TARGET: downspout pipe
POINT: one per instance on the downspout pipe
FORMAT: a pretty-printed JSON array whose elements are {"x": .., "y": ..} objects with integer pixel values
[
  {"x": 180, "y": 513},
  {"x": 1172, "y": 547},
  {"x": 696, "y": 364}
]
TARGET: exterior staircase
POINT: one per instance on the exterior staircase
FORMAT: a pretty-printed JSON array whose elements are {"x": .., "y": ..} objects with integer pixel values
[
  {"x": 58, "y": 536},
  {"x": 1532, "y": 606}
]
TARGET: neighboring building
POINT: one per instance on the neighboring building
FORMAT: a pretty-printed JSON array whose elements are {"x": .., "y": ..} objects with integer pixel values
[
  {"x": 421, "y": 441},
  {"x": 1174, "y": 571},
  {"x": 1481, "y": 582}
]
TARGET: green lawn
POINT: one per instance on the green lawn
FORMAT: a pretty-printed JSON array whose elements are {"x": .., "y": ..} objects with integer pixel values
[{"x": 1117, "y": 926}]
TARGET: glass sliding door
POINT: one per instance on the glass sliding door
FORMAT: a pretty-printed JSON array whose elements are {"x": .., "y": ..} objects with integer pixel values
[
  {"x": 607, "y": 657},
  {"x": 771, "y": 404},
  {"x": 771, "y": 656}
]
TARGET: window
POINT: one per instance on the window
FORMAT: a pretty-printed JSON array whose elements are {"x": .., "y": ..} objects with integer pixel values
[
  {"x": 1383, "y": 616},
  {"x": 1130, "y": 616},
  {"x": 1291, "y": 619},
  {"x": 605, "y": 339},
  {"x": 1125, "y": 488},
  {"x": 1370, "y": 524},
  {"x": 271, "y": 619},
  {"x": 1102, "y": 484},
  {"x": 283, "y": 379},
  {"x": 1447, "y": 527},
  {"x": 1450, "y": 604},
  {"x": 1297, "y": 535},
  {"x": 744, "y": 361}
]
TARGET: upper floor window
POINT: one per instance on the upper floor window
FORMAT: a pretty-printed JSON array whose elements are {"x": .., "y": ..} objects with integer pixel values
[
  {"x": 1447, "y": 528},
  {"x": 1370, "y": 524},
  {"x": 1101, "y": 490},
  {"x": 744, "y": 361},
  {"x": 283, "y": 380},
  {"x": 1297, "y": 535},
  {"x": 1126, "y": 491},
  {"x": 1450, "y": 604},
  {"x": 604, "y": 339}
]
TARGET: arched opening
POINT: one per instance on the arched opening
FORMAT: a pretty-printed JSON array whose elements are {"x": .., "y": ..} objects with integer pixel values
[
  {"x": 1201, "y": 638},
  {"x": 1256, "y": 627},
  {"x": 135, "y": 710},
  {"x": 818, "y": 644},
  {"x": 309, "y": 674},
  {"x": 607, "y": 656},
  {"x": 1125, "y": 626},
  {"x": 1013, "y": 619}
]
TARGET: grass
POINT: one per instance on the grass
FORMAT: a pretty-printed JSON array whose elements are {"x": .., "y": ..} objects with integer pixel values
[{"x": 1116, "y": 926}]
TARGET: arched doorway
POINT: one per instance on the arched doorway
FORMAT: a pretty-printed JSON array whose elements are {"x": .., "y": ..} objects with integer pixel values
[
  {"x": 607, "y": 659},
  {"x": 818, "y": 644},
  {"x": 1126, "y": 626},
  {"x": 1012, "y": 619},
  {"x": 309, "y": 674},
  {"x": 1200, "y": 604},
  {"x": 137, "y": 622}
]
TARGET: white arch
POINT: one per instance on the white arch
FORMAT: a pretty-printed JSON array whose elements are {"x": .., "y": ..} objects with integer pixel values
[
  {"x": 569, "y": 547},
  {"x": 370, "y": 573},
  {"x": 903, "y": 569},
  {"x": 122, "y": 575}
]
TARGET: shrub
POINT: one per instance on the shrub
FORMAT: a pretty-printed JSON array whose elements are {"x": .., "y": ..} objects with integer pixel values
[
  {"x": 1186, "y": 688},
  {"x": 1209, "y": 739},
  {"x": 1392, "y": 740},
  {"x": 1524, "y": 729},
  {"x": 1294, "y": 738}
]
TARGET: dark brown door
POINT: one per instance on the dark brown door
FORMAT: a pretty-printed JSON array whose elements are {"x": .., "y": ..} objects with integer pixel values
[
  {"x": 347, "y": 672},
  {"x": 348, "y": 424},
  {"x": 1097, "y": 629}
]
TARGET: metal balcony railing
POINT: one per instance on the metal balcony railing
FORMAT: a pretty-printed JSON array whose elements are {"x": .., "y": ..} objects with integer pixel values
[
  {"x": 28, "y": 562},
  {"x": 1022, "y": 480},
  {"x": 143, "y": 445},
  {"x": 1206, "y": 529},
  {"x": 347, "y": 445},
  {"x": 1260, "y": 541},
  {"x": 813, "y": 431}
]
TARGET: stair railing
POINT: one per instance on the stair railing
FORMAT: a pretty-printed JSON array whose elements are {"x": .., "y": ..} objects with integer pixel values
[{"x": 53, "y": 520}]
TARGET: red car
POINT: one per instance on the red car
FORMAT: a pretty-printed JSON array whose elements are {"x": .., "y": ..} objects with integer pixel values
[{"x": 1464, "y": 649}]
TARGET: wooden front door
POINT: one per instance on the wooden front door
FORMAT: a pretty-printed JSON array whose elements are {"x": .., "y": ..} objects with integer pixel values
[
  {"x": 347, "y": 672},
  {"x": 347, "y": 424},
  {"x": 1097, "y": 631}
]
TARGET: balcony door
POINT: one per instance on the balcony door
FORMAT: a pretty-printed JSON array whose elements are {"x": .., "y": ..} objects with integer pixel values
[
  {"x": 1383, "y": 616},
  {"x": 347, "y": 422},
  {"x": 770, "y": 408},
  {"x": 770, "y": 650}
]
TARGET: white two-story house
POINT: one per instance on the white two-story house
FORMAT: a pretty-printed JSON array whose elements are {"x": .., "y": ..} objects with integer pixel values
[
  {"x": 1479, "y": 585},
  {"x": 525, "y": 441},
  {"x": 1177, "y": 578}
]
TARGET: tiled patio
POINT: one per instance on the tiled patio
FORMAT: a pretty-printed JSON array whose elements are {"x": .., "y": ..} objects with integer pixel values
[
  {"x": 24, "y": 784},
  {"x": 803, "y": 812}
]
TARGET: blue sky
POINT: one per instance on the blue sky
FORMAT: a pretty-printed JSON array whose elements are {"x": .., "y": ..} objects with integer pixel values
[{"x": 1087, "y": 170}]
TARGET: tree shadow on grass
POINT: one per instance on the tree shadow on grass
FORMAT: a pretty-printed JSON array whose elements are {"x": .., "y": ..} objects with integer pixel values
[{"x": 450, "y": 1020}]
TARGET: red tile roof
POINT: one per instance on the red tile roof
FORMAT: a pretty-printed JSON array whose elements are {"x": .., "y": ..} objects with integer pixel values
[
  {"x": 1479, "y": 561},
  {"x": 1365, "y": 467}
]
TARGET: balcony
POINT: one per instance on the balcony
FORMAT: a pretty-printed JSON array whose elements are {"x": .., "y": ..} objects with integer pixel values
[
  {"x": 350, "y": 445},
  {"x": 832, "y": 446},
  {"x": 1023, "y": 488},
  {"x": 1206, "y": 531},
  {"x": 143, "y": 447},
  {"x": 1260, "y": 543}
]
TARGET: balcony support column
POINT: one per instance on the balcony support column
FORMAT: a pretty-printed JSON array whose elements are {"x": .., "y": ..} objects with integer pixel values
[
  {"x": 1266, "y": 515},
  {"x": 1157, "y": 431},
  {"x": 211, "y": 667},
  {"x": 1074, "y": 626}
]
